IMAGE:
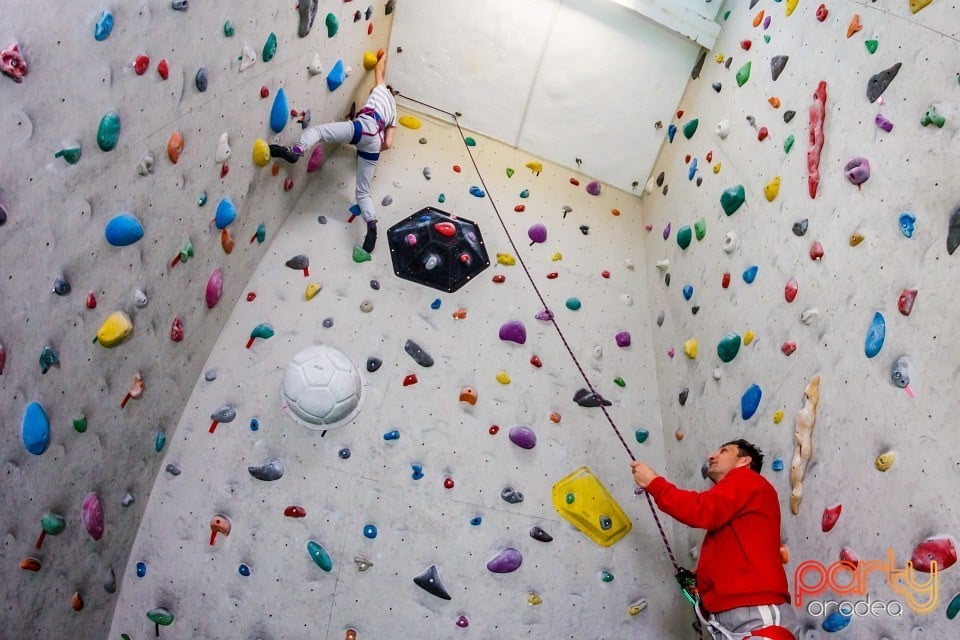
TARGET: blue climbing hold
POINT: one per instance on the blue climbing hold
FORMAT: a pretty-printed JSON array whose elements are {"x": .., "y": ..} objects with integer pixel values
[
  {"x": 777, "y": 464},
  {"x": 417, "y": 471},
  {"x": 875, "y": 335},
  {"x": 244, "y": 570},
  {"x": 279, "y": 113},
  {"x": 254, "y": 424},
  {"x": 35, "y": 429},
  {"x": 392, "y": 435},
  {"x": 693, "y": 169},
  {"x": 141, "y": 569},
  {"x": 687, "y": 291},
  {"x": 476, "y": 520},
  {"x": 750, "y": 274},
  {"x": 750, "y": 401},
  {"x": 435, "y": 304},
  {"x": 370, "y": 531},
  {"x": 226, "y": 213},
  {"x": 123, "y": 230},
  {"x": 671, "y": 132},
  {"x": 907, "y": 223},
  {"x": 336, "y": 76},
  {"x": 836, "y": 621},
  {"x": 477, "y": 191},
  {"x": 104, "y": 26}
]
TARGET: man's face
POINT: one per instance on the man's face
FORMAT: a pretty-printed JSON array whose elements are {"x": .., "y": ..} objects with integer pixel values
[{"x": 723, "y": 460}]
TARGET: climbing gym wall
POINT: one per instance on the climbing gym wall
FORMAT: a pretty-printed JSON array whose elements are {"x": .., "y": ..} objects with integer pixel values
[
  {"x": 433, "y": 512},
  {"x": 130, "y": 190},
  {"x": 571, "y": 80},
  {"x": 802, "y": 218}
]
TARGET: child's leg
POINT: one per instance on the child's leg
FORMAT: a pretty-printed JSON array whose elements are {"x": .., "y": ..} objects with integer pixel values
[
  {"x": 342, "y": 132},
  {"x": 365, "y": 169}
]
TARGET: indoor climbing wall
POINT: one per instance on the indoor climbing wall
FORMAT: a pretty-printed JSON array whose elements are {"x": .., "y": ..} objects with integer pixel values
[
  {"x": 135, "y": 204},
  {"x": 801, "y": 222},
  {"x": 434, "y": 511}
]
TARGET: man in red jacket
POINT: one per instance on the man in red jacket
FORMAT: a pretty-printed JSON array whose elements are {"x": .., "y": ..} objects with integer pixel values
[{"x": 740, "y": 577}]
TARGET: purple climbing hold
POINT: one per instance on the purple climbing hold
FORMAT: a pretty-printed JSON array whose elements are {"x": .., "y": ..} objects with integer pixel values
[
  {"x": 537, "y": 233},
  {"x": 623, "y": 339},
  {"x": 506, "y": 561},
  {"x": 523, "y": 437},
  {"x": 857, "y": 170},
  {"x": 513, "y": 331},
  {"x": 666, "y": 231},
  {"x": 593, "y": 188},
  {"x": 883, "y": 123},
  {"x": 547, "y": 315}
]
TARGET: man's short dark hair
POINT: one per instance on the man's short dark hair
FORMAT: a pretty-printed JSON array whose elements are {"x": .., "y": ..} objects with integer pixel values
[{"x": 748, "y": 449}]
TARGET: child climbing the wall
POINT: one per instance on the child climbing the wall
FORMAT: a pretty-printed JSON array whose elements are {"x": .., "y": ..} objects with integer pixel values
[{"x": 371, "y": 131}]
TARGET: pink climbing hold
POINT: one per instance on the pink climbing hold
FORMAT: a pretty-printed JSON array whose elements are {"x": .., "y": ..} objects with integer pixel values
[
  {"x": 817, "y": 115},
  {"x": 214, "y": 288},
  {"x": 12, "y": 62},
  {"x": 91, "y": 513},
  {"x": 939, "y": 549},
  {"x": 830, "y": 517},
  {"x": 316, "y": 159}
]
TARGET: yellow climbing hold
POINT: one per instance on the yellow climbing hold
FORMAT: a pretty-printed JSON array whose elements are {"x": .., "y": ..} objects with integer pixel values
[
  {"x": 690, "y": 348},
  {"x": 114, "y": 329},
  {"x": 791, "y": 5},
  {"x": 261, "y": 152},
  {"x": 533, "y": 600},
  {"x": 557, "y": 256},
  {"x": 536, "y": 167},
  {"x": 747, "y": 338},
  {"x": 503, "y": 377},
  {"x": 884, "y": 461},
  {"x": 778, "y": 416},
  {"x": 369, "y": 60},
  {"x": 312, "y": 289},
  {"x": 410, "y": 122},
  {"x": 716, "y": 168},
  {"x": 719, "y": 58},
  {"x": 772, "y": 189},
  {"x": 506, "y": 259},
  {"x": 585, "y": 503},
  {"x": 916, "y": 5},
  {"x": 637, "y": 607},
  {"x": 855, "y": 239}
]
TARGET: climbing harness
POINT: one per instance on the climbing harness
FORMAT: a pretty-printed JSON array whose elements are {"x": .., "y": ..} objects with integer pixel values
[{"x": 358, "y": 127}]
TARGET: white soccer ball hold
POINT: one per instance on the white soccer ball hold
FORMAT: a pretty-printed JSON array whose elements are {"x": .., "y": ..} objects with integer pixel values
[{"x": 322, "y": 388}]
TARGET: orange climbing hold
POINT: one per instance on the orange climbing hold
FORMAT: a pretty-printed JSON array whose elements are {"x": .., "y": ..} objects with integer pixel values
[
  {"x": 275, "y": 169},
  {"x": 30, "y": 564},
  {"x": 854, "y": 25},
  {"x": 555, "y": 418},
  {"x": 174, "y": 146},
  {"x": 784, "y": 554},
  {"x": 226, "y": 241},
  {"x": 468, "y": 395},
  {"x": 460, "y": 314},
  {"x": 574, "y": 182},
  {"x": 351, "y": 634},
  {"x": 76, "y": 602},
  {"x": 757, "y": 19},
  {"x": 615, "y": 212},
  {"x": 774, "y": 102}
]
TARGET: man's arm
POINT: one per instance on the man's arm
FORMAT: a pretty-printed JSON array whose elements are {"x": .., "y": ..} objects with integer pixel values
[{"x": 704, "y": 510}]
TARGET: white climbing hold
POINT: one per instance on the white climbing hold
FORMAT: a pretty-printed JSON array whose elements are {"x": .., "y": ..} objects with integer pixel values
[
  {"x": 145, "y": 166},
  {"x": 663, "y": 265},
  {"x": 717, "y": 373},
  {"x": 597, "y": 352},
  {"x": 247, "y": 58},
  {"x": 723, "y": 129},
  {"x": 809, "y": 315},
  {"x": 651, "y": 185},
  {"x": 730, "y": 242},
  {"x": 316, "y": 66},
  {"x": 223, "y": 148},
  {"x": 627, "y": 299},
  {"x": 139, "y": 299},
  {"x": 629, "y": 264}
]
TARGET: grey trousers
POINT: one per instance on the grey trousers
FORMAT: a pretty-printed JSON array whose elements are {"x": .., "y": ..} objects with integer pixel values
[
  {"x": 745, "y": 619},
  {"x": 342, "y": 132}
]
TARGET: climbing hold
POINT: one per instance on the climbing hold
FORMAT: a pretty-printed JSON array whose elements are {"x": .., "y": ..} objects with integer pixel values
[
  {"x": 690, "y": 128},
  {"x": 108, "y": 132},
  {"x": 855, "y": 239},
  {"x": 687, "y": 291},
  {"x": 271, "y": 469},
  {"x": 103, "y": 26},
  {"x": 790, "y": 290},
  {"x": 900, "y": 374},
  {"x": 214, "y": 288},
  {"x": 91, "y": 514},
  {"x": 771, "y": 189},
  {"x": 750, "y": 274},
  {"x": 906, "y": 300},
  {"x": 523, "y": 437},
  {"x": 953, "y": 231},
  {"x": 728, "y": 347},
  {"x": 279, "y": 111},
  {"x": 336, "y": 76},
  {"x": 392, "y": 435},
  {"x": 743, "y": 74},
  {"x": 573, "y": 304},
  {"x": 854, "y": 26},
  {"x": 163, "y": 69},
  {"x": 857, "y": 170},
  {"x": 503, "y": 377},
  {"x": 477, "y": 192},
  {"x": 730, "y": 242},
  {"x": 226, "y": 213},
  {"x": 538, "y": 533},
  {"x": 884, "y": 461},
  {"x": 836, "y": 621},
  {"x": 12, "y": 63},
  {"x": 470, "y": 142},
  {"x": 114, "y": 329},
  {"x": 35, "y": 429},
  {"x": 787, "y": 348},
  {"x": 224, "y": 413},
  {"x": 932, "y": 117},
  {"x": 938, "y": 549},
  {"x": 333, "y": 25},
  {"x": 875, "y": 335},
  {"x": 907, "y": 222},
  {"x": 684, "y": 236},
  {"x": 750, "y": 401},
  {"x": 537, "y": 234},
  {"x": 879, "y": 82},
  {"x": 817, "y": 115},
  {"x": 732, "y": 198},
  {"x": 201, "y": 79},
  {"x": 430, "y": 582},
  {"x": 160, "y": 616},
  {"x": 506, "y": 561},
  {"x": 70, "y": 154},
  {"x": 410, "y": 122},
  {"x": 725, "y": 280},
  {"x": 682, "y": 396},
  {"x": 123, "y": 230},
  {"x": 299, "y": 262},
  {"x": 513, "y": 331},
  {"x": 176, "y": 330},
  {"x": 606, "y": 576},
  {"x": 48, "y": 358},
  {"x": 671, "y": 132},
  {"x": 174, "y": 146},
  {"x": 141, "y": 64},
  {"x": 800, "y": 227},
  {"x": 319, "y": 555},
  {"x": 420, "y": 356},
  {"x": 871, "y": 46}
]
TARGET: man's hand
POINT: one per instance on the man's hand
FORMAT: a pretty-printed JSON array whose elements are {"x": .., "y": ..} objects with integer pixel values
[{"x": 642, "y": 473}]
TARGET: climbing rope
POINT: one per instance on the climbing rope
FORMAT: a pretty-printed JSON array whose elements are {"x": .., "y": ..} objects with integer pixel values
[{"x": 683, "y": 576}]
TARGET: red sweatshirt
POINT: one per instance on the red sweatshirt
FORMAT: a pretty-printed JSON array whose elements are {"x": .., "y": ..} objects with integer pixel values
[{"x": 739, "y": 563}]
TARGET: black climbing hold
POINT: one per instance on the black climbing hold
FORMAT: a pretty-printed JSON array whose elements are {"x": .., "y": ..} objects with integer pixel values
[
  {"x": 429, "y": 581},
  {"x": 751, "y": 121},
  {"x": 683, "y": 396},
  {"x": 416, "y": 352},
  {"x": 373, "y": 364},
  {"x": 666, "y": 279},
  {"x": 698, "y": 65},
  {"x": 728, "y": 62},
  {"x": 788, "y": 115},
  {"x": 201, "y": 79},
  {"x": 388, "y": 8},
  {"x": 3, "y": 215},
  {"x": 375, "y": 285},
  {"x": 511, "y": 495},
  {"x": 61, "y": 287},
  {"x": 271, "y": 469},
  {"x": 539, "y": 534},
  {"x": 699, "y": 180},
  {"x": 694, "y": 309},
  {"x": 666, "y": 188},
  {"x": 589, "y": 399},
  {"x": 953, "y": 231},
  {"x": 327, "y": 323},
  {"x": 703, "y": 470},
  {"x": 800, "y": 227},
  {"x": 584, "y": 229},
  {"x": 777, "y": 63},
  {"x": 660, "y": 319},
  {"x": 879, "y": 82},
  {"x": 298, "y": 262},
  {"x": 660, "y": 177},
  {"x": 308, "y": 12},
  {"x": 322, "y": 219},
  {"x": 753, "y": 3},
  {"x": 717, "y": 86},
  {"x": 448, "y": 253}
]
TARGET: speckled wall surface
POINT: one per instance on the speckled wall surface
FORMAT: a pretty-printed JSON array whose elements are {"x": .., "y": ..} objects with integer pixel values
[{"x": 861, "y": 413}]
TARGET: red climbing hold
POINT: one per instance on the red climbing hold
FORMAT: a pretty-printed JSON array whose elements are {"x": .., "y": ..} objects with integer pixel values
[
  {"x": 709, "y": 156},
  {"x": 295, "y": 511},
  {"x": 12, "y": 62},
  {"x": 790, "y": 291},
  {"x": 788, "y": 347},
  {"x": 163, "y": 69},
  {"x": 574, "y": 182},
  {"x": 410, "y": 379},
  {"x": 275, "y": 169},
  {"x": 535, "y": 361},
  {"x": 499, "y": 278},
  {"x": 817, "y": 115},
  {"x": 493, "y": 430},
  {"x": 369, "y": 28},
  {"x": 288, "y": 184},
  {"x": 224, "y": 170},
  {"x": 91, "y": 301},
  {"x": 762, "y": 134},
  {"x": 725, "y": 280},
  {"x": 680, "y": 113},
  {"x": 447, "y": 229},
  {"x": 456, "y": 168},
  {"x": 822, "y": 12},
  {"x": 745, "y": 45},
  {"x": 816, "y": 250},
  {"x": 141, "y": 64},
  {"x": 905, "y": 302},
  {"x": 552, "y": 275},
  {"x": 448, "y": 483},
  {"x": 605, "y": 274},
  {"x": 176, "y": 330},
  {"x": 686, "y": 159},
  {"x": 264, "y": 92},
  {"x": 938, "y": 549},
  {"x": 830, "y": 517},
  {"x": 519, "y": 208},
  {"x": 251, "y": 296}
]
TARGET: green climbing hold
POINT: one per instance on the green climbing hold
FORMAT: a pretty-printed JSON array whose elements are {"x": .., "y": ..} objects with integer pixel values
[
  {"x": 80, "y": 424},
  {"x": 700, "y": 228},
  {"x": 228, "y": 29},
  {"x": 525, "y": 193},
  {"x": 728, "y": 347},
  {"x": 726, "y": 15},
  {"x": 619, "y": 382},
  {"x": 359, "y": 255},
  {"x": 684, "y": 235},
  {"x": 441, "y": 198},
  {"x": 52, "y": 524},
  {"x": 766, "y": 39},
  {"x": 570, "y": 497},
  {"x": 470, "y": 142},
  {"x": 332, "y": 25},
  {"x": 270, "y": 47},
  {"x": 109, "y": 132},
  {"x": 319, "y": 555},
  {"x": 954, "y": 607},
  {"x": 573, "y": 304},
  {"x": 70, "y": 154},
  {"x": 641, "y": 435},
  {"x": 510, "y": 172},
  {"x": 606, "y": 576},
  {"x": 743, "y": 74},
  {"x": 732, "y": 198},
  {"x": 160, "y": 440},
  {"x": 690, "y": 128},
  {"x": 871, "y": 45},
  {"x": 934, "y": 118},
  {"x": 788, "y": 143},
  {"x": 160, "y": 616},
  {"x": 202, "y": 200}
]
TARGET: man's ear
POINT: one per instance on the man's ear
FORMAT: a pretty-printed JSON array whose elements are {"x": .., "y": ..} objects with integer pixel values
[{"x": 743, "y": 461}]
